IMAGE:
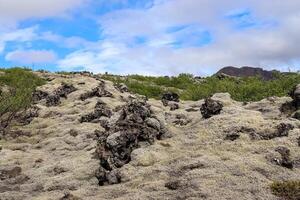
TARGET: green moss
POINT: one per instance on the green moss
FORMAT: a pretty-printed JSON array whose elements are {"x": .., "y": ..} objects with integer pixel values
[{"x": 287, "y": 190}]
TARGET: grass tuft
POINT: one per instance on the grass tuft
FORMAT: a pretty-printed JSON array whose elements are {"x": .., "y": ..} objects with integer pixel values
[{"x": 287, "y": 190}]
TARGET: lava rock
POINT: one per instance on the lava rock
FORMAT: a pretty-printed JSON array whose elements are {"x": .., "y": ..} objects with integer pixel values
[
  {"x": 53, "y": 100},
  {"x": 100, "y": 110},
  {"x": 285, "y": 157},
  {"x": 173, "y": 185},
  {"x": 99, "y": 91},
  {"x": 169, "y": 96},
  {"x": 295, "y": 94},
  {"x": 69, "y": 196},
  {"x": 24, "y": 118},
  {"x": 211, "y": 107},
  {"x": 135, "y": 124},
  {"x": 64, "y": 90},
  {"x": 232, "y": 136},
  {"x": 181, "y": 120},
  {"x": 173, "y": 106},
  {"x": 297, "y": 115},
  {"x": 121, "y": 87},
  {"x": 39, "y": 95},
  {"x": 10, "y": 172}
]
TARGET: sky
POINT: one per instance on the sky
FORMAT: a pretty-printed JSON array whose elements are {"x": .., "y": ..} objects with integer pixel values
[{"x": 150, "y": 37}]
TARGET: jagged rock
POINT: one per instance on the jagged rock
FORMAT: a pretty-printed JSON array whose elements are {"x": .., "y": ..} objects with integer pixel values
[
  {"x": 295, "y": 94},
  {"x": 192, "y": 109},
  {"x": 298, "y": 141},
  {"x": 121, "y": 87},
  {"x": 134, "y": 125},
  {"x": 69, "y": 196},
  {"x": 281, "y": 130},
  {"x": 211, "y": 107},
  {"x": 285, "y": 157},
  {"x": 288, "y": 108},
  {"x": 28, "y": 115},
  {"x": 181, "y": 120},
  {"x": 169, "y": 96},
  {"x": 297, "y": 115},
  {"x": 232, "y": 136},
  {"x": 53, "y": 100},
  {"x": 173, "y": 106},
  {"x": 64, "y": 90},
  {"x": 39, "y": 95},
  {"x": 173, "y": 185},
  {"x": 99, "y": 91},
  {"x": 10, "y": 172},
  {"x": 100, "y": 110}
]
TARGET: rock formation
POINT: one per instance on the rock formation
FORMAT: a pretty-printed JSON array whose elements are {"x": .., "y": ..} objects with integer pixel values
[{"x": 85, "y": 138}]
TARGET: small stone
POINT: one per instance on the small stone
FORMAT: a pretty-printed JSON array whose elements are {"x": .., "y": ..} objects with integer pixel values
[
  {"x": 232, "y": 136},
  {"x": 173, "y": 185}
]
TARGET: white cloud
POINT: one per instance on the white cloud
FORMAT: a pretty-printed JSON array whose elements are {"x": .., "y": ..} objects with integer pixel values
[
  {"x": 31, "y": 56},
  {"x": 19, "y": 35},
  {"x": 268, "y": 47},
  {"x": 16, "y": 10}
]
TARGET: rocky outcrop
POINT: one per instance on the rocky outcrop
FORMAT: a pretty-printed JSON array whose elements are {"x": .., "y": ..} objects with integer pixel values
[
  {"x": 129, "y": 142},
  {"x": 170, "y": 99},
  {"x": 99, "y": 91},
  {"x": 295, "y": 94},
  {"x": 54, "y": 99},
  {"x": 211, "y": 107},
  {"x": 246, "y": 72},
  {"x": 100, "y": 110},
  {"x": 135, "y": 124}
]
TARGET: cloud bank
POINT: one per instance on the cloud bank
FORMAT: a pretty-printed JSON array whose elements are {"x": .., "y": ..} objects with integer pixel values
[{"x": 166, "y": 37}]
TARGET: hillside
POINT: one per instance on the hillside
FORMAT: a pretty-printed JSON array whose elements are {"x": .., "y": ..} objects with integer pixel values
[
  {"x": 86, "y": 137},
  {"x": 248, "y": 72}
]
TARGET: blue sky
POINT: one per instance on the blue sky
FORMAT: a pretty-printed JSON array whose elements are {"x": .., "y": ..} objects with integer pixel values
[{"x": 152, "y": 37}]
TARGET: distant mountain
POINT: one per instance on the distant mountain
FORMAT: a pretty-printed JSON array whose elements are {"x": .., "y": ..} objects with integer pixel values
[{"x": 247, "y": 72}]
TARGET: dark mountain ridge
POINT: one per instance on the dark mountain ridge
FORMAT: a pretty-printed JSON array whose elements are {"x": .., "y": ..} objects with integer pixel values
[{"x": 248, "y": 72}]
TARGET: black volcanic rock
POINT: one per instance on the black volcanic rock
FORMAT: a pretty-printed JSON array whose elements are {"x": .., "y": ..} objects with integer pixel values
[{"x": 247, "y": 72}]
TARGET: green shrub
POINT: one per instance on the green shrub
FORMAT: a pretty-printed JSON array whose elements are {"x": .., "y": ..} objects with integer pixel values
[
  {"x": 21, "y": 83},
  {"x": 241, "y": 89},
  {"x": 287, "y": 190}
]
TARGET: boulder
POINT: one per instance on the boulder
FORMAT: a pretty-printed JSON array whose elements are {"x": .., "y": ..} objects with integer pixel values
[
  {"x": 169, "y": 96},
  {"x": 295, "y": 94},
  {"x": 211, "y": 107}
]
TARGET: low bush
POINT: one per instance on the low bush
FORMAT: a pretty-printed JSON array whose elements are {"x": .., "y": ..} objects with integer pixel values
[
  {"x": 19, "y": 84},
  {"x": 241, "y": 89},
  {"x": 286, "y": 190}
]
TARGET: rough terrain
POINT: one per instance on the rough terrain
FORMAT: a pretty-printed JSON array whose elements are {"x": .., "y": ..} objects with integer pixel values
[{"x": 92, "y": 140}]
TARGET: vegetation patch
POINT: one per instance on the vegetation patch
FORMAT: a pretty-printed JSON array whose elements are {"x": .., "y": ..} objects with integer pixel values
[
  {"x": 20, "y": 83},
  {"x": 194, "y": 88},
  {"x": 287, "y": 190}
]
